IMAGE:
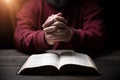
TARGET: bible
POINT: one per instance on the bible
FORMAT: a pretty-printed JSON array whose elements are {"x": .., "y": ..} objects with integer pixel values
[{"x": 58, "y": 61}]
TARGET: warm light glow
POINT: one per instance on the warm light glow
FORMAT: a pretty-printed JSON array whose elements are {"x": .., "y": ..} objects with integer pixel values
[{"x": 8, "y": 1}]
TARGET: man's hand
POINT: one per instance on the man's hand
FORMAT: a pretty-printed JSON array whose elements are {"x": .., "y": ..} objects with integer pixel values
[
  {"x": 56, "y": 29},
  {"x": 53, "y": 18}
]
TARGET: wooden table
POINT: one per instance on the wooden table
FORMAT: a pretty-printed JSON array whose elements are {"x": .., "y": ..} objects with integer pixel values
[{"x": 11, "y": 61}]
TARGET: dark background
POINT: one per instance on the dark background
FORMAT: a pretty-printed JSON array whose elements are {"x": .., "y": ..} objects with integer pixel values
[
  {"x": 9, "y": 10},
  {"x": 112, "y": 22}
]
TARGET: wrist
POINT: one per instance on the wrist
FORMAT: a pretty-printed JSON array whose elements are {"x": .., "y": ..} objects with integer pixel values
[
  {"x": 48, "y": 41},
  {"x": 71, "y": 33}
]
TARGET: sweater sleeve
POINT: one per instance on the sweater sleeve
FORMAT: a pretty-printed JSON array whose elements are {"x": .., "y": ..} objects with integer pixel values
[
  {"x": 90, "y": 37},
  {"x": 26, "y": 36}
]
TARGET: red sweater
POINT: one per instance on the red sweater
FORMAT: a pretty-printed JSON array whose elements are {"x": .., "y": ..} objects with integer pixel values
[{"x": 84, "y": 17}]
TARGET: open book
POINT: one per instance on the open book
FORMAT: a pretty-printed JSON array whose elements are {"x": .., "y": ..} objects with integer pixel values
[{"x": 58, "y": 61}]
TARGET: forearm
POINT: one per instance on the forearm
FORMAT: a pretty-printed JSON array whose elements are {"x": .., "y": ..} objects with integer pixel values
[
  {"x": 87, "y": 41},
  {"x": 30, "y": 41}
]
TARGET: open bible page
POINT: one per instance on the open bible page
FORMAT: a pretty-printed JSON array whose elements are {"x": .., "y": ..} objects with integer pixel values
[
  {"x": 38, "y": 60},
  {"x": 43, "y": 59},
  {"x": 75, "y": 59}
]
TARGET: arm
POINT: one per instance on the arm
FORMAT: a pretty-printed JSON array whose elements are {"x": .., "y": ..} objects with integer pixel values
[
  {"x": 27, "y": 36},
  {"x": 91, "y": 36}
]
